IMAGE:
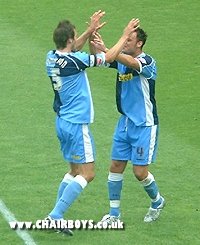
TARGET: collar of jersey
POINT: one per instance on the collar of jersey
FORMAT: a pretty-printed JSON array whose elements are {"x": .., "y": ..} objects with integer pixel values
[
  {"x": 141, "y": 55},
  {"x": 61, "y": 53}
]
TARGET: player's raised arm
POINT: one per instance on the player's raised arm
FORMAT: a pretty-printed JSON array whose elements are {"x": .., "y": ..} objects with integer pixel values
[
  {"x": 93, "y": 25},
  {"x": 125, "y": 59},
  {"x": 112, "y": 53},
  {"x": 97, "y": 43}
]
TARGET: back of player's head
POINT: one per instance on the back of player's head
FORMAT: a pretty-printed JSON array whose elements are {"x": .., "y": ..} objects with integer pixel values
[
  {"x": 64, "y": 31},
  {"x": 141, "y": 36}
]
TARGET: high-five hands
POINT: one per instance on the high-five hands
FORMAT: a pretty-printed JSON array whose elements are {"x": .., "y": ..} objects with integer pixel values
[
  {"x": 131, "y": 27},
  {"x": 98, "y": 42},
  {"x": 94, "y": 25}
]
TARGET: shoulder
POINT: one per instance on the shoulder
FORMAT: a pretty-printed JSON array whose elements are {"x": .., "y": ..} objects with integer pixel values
[
  {"x": 79, "y": 54},
  {"x": 51, "y": 53},
  {"x": 145, "y": 59},
  {"x": 51, "y": 58}
]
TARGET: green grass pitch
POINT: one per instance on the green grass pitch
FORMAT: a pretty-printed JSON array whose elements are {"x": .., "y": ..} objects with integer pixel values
[{"x": 31, "y": 162}]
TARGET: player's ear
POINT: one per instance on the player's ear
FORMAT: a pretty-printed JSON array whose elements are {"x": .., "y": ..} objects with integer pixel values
[
  {"x": 70, "y": 40},
  {"x": 139, "y": 44}
]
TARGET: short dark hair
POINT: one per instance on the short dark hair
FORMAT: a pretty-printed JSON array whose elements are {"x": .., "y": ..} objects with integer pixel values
[
  {"x": 141, "y": 35},
  {"x": 63, "y": 32}
]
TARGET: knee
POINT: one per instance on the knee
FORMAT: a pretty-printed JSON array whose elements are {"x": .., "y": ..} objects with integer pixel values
[
  {"x": 118, "y": 166},
  {"x": 74, "y": 172},
  {"x": 140, "y": 173},
  {"x": 89, "y": 176},
  {"x": 115, "y": 166}
]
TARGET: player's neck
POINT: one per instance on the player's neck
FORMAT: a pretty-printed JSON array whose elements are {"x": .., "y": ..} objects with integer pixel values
[
  {"x": 65, "y": 50},
  {"x": 138, "y": 52}
]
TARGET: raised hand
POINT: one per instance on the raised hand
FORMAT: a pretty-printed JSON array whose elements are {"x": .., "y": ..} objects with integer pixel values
[
  {"x": 95, "y": 23},
  {"x": 98, "y": 42},
  {"x": 131, "y": 27},
  {"x": 92, "y": 27}
]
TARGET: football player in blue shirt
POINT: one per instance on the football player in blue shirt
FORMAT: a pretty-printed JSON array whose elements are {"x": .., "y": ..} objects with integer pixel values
[
  {"x": 136, "y": 133},
  {"x": 73, "y": 104}
]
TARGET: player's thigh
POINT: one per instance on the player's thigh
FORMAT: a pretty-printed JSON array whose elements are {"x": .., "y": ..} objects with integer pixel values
[
  {"x": 144, "y": 147},
  {"x": 59, "y": 131},
  {"x": 121, "y": 147},
  {"x": 79, "y": 144}
]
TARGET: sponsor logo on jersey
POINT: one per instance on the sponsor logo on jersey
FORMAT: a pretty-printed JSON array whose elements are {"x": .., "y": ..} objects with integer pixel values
[{"x": 125, "y": 77}]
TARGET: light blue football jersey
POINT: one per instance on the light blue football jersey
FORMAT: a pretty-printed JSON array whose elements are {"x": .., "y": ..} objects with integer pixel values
[
  {"x": 135, "y": 91},
  {"x": 73, "y": 100}
]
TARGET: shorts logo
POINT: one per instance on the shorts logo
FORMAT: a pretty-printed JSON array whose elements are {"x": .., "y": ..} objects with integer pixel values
[{"x": 75, "y": 157}]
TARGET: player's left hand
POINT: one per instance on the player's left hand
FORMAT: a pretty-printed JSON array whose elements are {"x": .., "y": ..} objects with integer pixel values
[{"x": 98, "y": 42}]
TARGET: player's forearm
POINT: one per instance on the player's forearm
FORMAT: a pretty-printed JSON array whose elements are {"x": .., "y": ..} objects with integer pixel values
[
  {"x": 92, "y": 48},
  {"x": 80, "y": 42},
  {"x": 128, "y": 61},
  {"x": 113, "y": 52},
  {"x": 94, "y": 25},
  {"x": 117, "y": 48}
]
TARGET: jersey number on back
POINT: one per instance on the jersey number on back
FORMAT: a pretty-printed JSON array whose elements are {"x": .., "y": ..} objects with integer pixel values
[{"x": 56, "y": 80}]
